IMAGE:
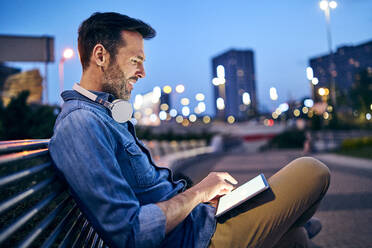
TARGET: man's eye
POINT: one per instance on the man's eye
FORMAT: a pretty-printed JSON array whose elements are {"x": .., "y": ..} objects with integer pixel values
[{"x": 134, "y": 61}]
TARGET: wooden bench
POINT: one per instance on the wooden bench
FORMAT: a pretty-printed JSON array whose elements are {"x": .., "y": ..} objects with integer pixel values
[{"x": 36, "y": 208}]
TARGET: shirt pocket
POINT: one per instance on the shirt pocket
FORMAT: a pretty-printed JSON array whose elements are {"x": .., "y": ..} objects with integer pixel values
[{"x": 144, "y": 172}]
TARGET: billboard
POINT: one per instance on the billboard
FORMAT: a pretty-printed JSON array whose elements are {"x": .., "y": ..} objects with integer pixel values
[{"x": 26, "y": 48}]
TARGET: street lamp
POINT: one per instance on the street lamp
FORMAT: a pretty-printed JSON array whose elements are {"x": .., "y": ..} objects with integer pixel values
[
  {"x": 326, "y": 6},
  {"x": 68, "y": 53}
]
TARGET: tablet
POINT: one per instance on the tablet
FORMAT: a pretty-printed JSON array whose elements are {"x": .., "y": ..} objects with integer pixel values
[{"x": 241, "y": 194}]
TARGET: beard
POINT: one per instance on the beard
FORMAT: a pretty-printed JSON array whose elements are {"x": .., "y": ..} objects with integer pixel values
[{"x": 115, "y": 82}]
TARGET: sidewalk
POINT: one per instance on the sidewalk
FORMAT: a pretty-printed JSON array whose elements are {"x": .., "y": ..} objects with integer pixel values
[{"x": 346, "y": 211}]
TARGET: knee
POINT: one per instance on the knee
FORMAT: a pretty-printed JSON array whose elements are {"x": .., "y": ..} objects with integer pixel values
[{"x": 314, "y": 168}]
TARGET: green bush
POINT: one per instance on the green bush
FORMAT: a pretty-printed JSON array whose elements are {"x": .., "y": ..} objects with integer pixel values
[
  {"x": 147, "y": 133},
  {"x": 355, "y": 143},
  {"x": 288, "y": 139},
  {"x": 20, "y": 120}
]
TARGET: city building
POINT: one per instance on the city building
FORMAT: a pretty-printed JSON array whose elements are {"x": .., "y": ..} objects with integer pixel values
[
  {"x": 5, "y": 72},
  {"x": 347, "y": 62},
  {"x": 234, "y": 85},
  {"x": 14, "y": 84}
]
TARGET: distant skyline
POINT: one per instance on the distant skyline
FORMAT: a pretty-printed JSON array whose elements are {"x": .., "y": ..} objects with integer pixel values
[{"x": 284, "y": 35}]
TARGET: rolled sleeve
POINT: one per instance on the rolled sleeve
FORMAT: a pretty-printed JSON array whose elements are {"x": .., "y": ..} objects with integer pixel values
[{"x": 152, "y": 223}]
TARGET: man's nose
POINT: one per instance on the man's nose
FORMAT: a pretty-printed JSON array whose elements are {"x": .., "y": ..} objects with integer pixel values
[{"x": 141, "y": 72}]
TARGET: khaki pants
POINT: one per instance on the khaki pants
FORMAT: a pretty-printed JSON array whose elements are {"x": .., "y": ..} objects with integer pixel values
[{"x": 275, "y": 217}]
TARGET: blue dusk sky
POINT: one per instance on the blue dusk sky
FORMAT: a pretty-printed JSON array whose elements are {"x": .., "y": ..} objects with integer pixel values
[{"x": 283, "y": 35}]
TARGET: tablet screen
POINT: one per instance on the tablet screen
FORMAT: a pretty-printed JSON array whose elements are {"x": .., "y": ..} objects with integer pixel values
[{"x": 241, "y": 194}]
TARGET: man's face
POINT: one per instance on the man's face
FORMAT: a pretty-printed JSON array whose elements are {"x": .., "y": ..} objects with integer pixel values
[{"x": 123, "y": 72}]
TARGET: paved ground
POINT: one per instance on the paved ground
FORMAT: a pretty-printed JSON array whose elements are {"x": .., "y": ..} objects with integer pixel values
[{"x": 346, "y": 211}]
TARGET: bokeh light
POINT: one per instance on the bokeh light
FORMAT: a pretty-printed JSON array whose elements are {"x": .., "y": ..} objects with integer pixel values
[
  {"x": 167, "y": 89},
  {"x": 230, "y": 119},
  {"x": 206, "y": 119},
  {"x": 180, "y": 88}
]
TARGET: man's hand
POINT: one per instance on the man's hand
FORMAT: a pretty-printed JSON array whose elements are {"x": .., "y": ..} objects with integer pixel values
[
  {"x": 177, "y": 208},
  {"x": 215, "y": 184}
]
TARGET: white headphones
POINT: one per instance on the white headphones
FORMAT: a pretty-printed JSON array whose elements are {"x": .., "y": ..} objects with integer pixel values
[{"x": 121, "y": 110}]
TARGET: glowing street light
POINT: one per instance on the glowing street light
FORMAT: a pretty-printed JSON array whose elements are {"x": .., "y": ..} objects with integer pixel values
[
  {"x": 326, "y": 5},
  {"x": 68, "y": 53}
]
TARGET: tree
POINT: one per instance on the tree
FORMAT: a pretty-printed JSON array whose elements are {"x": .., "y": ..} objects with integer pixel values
[{"x": 19, "y": 120}]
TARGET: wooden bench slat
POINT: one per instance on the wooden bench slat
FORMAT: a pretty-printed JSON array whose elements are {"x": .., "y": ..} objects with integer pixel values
[
  {"x": 23, "y": 167},
  {"x": 13, "y": 227},
  {"x": 43, "y": 225},
  {"x": 100, "y": 243},
  {"x": 24, "y": 195},
  {"x": 73, "y": 229},
  {"x": 7, "y": 147},
  {"x": 95, "y": 240},
  {"x": 19, "y": 156},
  {"x": 52, "y": 237},
  {"x": 24, "y": 173},
  {"x": 88, "y": 236},
  {"x": 7, "y": 142},
  {"x": 81, "y": 233}
]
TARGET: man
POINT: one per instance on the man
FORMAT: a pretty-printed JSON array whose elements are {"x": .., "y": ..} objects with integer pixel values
[{"x": 128, "y": 199}]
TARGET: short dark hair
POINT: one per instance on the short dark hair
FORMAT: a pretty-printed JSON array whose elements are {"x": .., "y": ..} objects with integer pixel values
[{"x": 105, "y": 29}]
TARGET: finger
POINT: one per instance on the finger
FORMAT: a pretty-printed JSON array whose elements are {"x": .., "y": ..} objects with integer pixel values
[
  {"x": 227, "y": 187},
  {"x": 224, "y": 191},
  {"x": 229, "y": 178}
]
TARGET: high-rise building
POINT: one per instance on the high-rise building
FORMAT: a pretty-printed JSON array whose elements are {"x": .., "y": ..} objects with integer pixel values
[
  {"x": 234, "y": 84},
  {"x": 347, "y": 62}
]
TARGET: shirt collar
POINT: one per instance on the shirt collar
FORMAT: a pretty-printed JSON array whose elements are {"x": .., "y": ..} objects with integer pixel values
[{"x": 73, "y": 95}]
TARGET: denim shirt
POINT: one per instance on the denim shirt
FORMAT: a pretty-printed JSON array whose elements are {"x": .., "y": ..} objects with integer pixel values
[{"x": 115, "y": 182}]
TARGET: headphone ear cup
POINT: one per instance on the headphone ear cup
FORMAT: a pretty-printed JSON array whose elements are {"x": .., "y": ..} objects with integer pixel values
[{"x": 121, "y": 111}]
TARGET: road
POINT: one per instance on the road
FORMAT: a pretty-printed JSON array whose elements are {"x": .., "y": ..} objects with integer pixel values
[{"x": 346, "y": 211}]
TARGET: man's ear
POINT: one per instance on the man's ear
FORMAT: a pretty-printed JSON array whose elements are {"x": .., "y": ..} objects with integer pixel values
[{"x": 100, "y": 55}]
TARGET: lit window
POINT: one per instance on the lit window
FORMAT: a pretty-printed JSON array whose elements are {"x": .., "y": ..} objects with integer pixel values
[{"x": 220, "y": 103}]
